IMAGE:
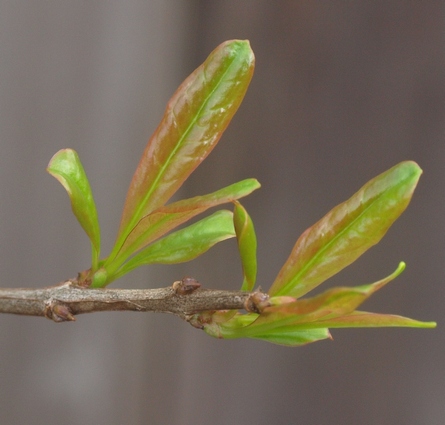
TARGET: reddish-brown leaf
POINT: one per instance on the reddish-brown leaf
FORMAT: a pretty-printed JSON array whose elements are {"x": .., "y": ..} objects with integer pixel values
[{"x": 194, "y": 120}]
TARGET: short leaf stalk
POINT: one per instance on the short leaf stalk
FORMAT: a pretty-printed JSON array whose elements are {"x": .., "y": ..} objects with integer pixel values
[{"x": 194, "y": 120}]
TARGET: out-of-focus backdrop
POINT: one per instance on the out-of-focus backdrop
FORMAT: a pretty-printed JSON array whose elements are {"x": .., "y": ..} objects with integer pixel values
[{"x": 342, "y": 91}]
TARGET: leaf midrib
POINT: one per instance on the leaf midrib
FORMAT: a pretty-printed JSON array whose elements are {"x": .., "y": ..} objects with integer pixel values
[
  {"x": 139, "y": 212},
  {"x": 331, "y": 242}
]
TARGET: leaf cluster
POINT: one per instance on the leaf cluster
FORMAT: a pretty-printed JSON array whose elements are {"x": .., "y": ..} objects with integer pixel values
[{"x": 193, "y": 122}]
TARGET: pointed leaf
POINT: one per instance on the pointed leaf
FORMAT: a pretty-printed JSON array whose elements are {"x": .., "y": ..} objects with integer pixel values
[
  {"x": 347, "y": 231},
  {"x": 332, "y": 303},
  {"x": 293, "y": 322},
  {"x": 295, "y": 338},
  {"x": 240, "y": 326},
  {"x": 66, "y": 167},
  {"x": 185, "y": 244},
  {"x": 246, "y": 237},
  {"x": 167, "y": 218},
  {"x": 362, "y": 319},
  {"x": 194, "y": 120}
]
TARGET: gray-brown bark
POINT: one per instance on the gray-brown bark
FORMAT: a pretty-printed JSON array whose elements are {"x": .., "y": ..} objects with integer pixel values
[{"x": 62, "y": 302}]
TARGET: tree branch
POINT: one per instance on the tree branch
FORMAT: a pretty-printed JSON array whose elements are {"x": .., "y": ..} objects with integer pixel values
[{"x": 184, "y": 298}]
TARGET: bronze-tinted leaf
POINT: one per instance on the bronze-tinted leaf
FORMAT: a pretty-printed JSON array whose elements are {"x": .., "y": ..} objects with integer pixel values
[
  {"x": 167, "y": 218},
  {"x": 193, "y": 122},
  {"x": 347, "y": 231}
]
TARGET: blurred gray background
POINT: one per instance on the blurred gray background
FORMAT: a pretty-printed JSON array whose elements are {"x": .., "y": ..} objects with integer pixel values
[{"x": 342, "y": 91}]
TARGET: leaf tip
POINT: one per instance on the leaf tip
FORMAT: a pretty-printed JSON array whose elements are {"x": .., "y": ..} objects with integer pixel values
[
  {"x": 400, "y": 268},
  {"x": 257, "y": 184},
  {"x": 60, "y": 155},
  {"x": 411, "y": 169}
]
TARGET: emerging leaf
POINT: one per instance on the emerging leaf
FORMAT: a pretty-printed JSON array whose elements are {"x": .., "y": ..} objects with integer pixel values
[
  {"x": 347, "y": 231},
  {"x": 362, "y": 319},
  {"x": 185, "y": 244},
  {"x": 293, "y": 322},
  {"x": 295, "y": 337},
  {"x": 246, "y": 237},
  {"x": 167, "y": 218},
  {"x": 238, "y": 327},
  {"x": 313, "y": 312},
  {"x": 66, "y": 167},
  {"x": 194, "y": 120}
]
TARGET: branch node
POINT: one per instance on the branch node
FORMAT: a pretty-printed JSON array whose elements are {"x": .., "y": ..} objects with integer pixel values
[
  {"x": 194, "y": 320},
  {"x": 58, "y": 312},
  {"x": 186, "y": 286},
  {"x": 257, "y": 302}
]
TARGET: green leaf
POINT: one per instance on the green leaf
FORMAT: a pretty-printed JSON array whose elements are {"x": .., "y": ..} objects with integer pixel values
[
  {"x": 295, "y": 338},
  {"x": 296, "y": 322},
  {"x": 347, "y": 231},
  {"x": 238, "y": 327},
  {"x": 185, "y": 244},
  {"x": 167, "y": 218},
  {"x": 362, "y": 319},
  {"x": 246, "y": 237},
  {"x": 195, "y": 118},
  {"x": 66, "y": 167},
  {"x": 330, "y": 304},
  {"x": 241, "y": 326}
]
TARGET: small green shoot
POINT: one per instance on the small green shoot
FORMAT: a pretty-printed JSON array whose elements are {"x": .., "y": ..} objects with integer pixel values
[
  {"x": 66, "y": 167},
  {"x": 194, "y": 120}
]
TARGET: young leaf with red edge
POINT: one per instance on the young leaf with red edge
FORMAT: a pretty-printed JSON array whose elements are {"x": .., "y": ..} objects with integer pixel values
[
  {"x": 66, "y": 167},
  {"x": 167, "y": 218},
  {"x": 183, "y": 245},
  {"x": 363, "y": 319},
  {"x": 195, "y": 118},
  {"x": 314, "y": 311},
  {"x": 295, "y": 322},
  {"x": 347, "y": 231}
]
